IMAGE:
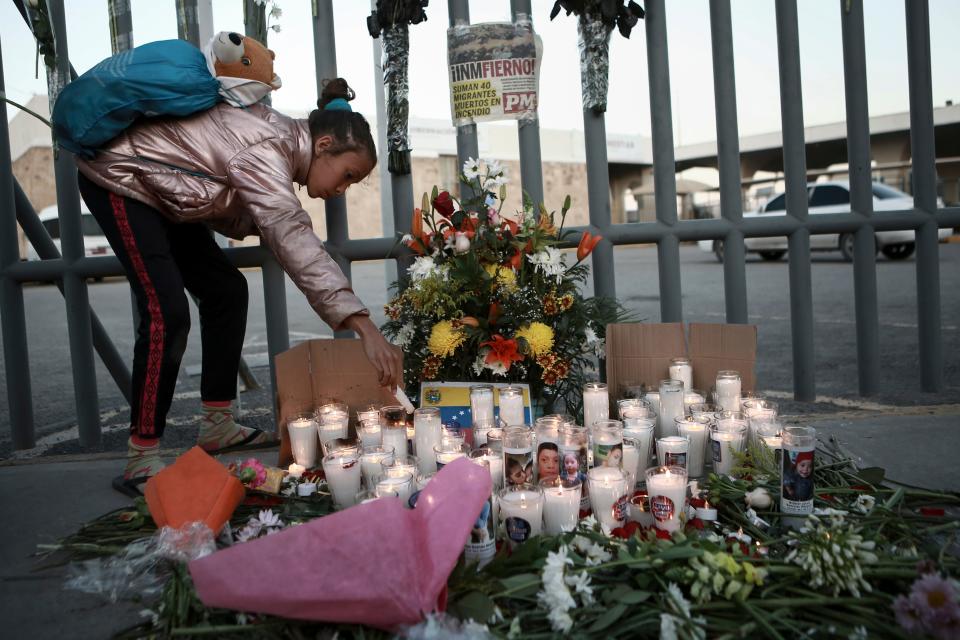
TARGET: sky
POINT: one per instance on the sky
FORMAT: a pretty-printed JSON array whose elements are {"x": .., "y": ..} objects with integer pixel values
[{"x": 691, "y": 75}]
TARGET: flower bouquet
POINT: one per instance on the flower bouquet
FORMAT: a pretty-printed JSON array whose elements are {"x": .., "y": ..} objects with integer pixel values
[{"x": 492, "y": 298}]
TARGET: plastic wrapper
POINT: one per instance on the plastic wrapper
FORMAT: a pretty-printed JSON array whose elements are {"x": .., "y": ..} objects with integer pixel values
[
  {"x": 378, "y": 563},
  {"x": 594, "y": 42},
  {"x": 136, "y": 570},
  {"x": 396, "y": 57}
]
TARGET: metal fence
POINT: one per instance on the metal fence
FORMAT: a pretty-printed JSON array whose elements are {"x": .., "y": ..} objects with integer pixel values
[{"x": 86, "y": 334}]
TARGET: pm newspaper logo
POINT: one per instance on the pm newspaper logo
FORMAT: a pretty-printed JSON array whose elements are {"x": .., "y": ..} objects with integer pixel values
[{"x": 494, "y": 71}]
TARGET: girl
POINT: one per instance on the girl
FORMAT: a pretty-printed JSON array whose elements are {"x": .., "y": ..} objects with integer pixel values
[{"x": 157, "y": 190}]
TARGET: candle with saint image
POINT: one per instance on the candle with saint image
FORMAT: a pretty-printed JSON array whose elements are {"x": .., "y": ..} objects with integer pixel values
[
  {"x": 596, "y": 403},
  {"x": 696, "y": 429},
  {"x": 341, "y": 467},
  {"x": 680, "y": 369},
  {"x": 393, "y": 428},
  {"x": 302, "y": 429},
  {"x": 642, "y": 430},
  {"x": 727, "y": 437},
  {"x": 371, "y": 462},
  {"x": 561, "y": 504},
  {"x": 671, "y": 407},
  {"x": 608, "y": 495},
  {"x": 426, "y": 435},
  {"x": 672, "y": 451},
  {"x": 481, "y": 403},
  {"x": 521, "y": 511},
  {"x": 667, "y": 489},
  {"x": 728, "y": 390},
  {"x": 511, "y": 406}
]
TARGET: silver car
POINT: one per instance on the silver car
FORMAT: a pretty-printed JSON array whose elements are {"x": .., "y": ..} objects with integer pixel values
[{"x": 834, "y": 197}]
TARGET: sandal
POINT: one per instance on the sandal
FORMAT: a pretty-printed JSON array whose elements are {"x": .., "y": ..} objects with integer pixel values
[
  {"x": 130, "y": 487},
  {"x": 247, "y": 444}
]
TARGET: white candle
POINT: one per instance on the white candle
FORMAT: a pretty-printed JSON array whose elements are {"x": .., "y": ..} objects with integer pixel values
[
  {"x": 667, "y": 488},
  {"x": 672, "y": 451},
  {"x": 306, "y": 489},
  {"x": 403, "y": 400},
  {"x": 521, "y": 510},
  {"x": 671, "y": 407},
  {"x": 696, "y": 430},
  {"x": 681, "y": 370},
  {"x": 642, "y": 430},
  {"x": 726, "y": 438},
  {"x": 653, "y": 400},
  {"x": 426, "y": 435},
  {"x": 332, "y": 426},
  {"x": 493, "y": 462},
  {"x": 303, "y": 440},
  {"x": 342, "y": 471},
  {"x": 296, "y": 470},
  {"x": 691, "y": 398},
  {"x": 444, "y": 454},
  {"x": 511, "y": 406},
  {"x": 631, "y": 460},
  {"x": 607, "y": 437},
  {"x": 758, "y": 413},
  {"x": 596, "y": 403},
  {"x": 707, "y": 513},
  {"x": 481, "y": 403},
  {"x": 608, "y": 495},
  {"x": 371, "y": 463},
  {"x": 728, "y": 390},
  {"x": 370, "y": 433},
  {"x": 561, "y": 505},
  {"x": 396, "y": 482},
  {"x": 797, "y": 488},
  {"x": 640, "y": 509},
  {"x": 368, "y": 415},
  {"x": 633, "y": 407}
]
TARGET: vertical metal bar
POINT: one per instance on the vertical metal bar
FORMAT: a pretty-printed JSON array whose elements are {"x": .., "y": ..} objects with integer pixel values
[
  {"x": 325, "y": 56},
  {"x": 795, "y": 178},
  {"x": 467, "y": 146},
  {"x": 71, "y": 244},
  {"x": 46, "y": 250},
  {"x": 528, "y": 130},
  {"x": 598, "y": 199},
  {"x": 861, "y": 195},
  {"x": 275, "y": 310},
  {"x": 390, "y": 268},
  {"x": 188, "y": 21},
  {"x": 924, "y": 194},
  {"x": 13, "y": 320},
  {"x": 728, "y": 159},
  {"x": 664, "y": 165},
  {"x": 121, "y": 25}
]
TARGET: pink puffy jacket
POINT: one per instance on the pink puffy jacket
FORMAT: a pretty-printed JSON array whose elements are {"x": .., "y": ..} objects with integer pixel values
[{"x": 234, "y": 170}]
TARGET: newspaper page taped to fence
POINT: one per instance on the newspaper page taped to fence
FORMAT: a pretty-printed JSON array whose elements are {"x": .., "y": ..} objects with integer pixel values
[{"x": 494, "y": 71}]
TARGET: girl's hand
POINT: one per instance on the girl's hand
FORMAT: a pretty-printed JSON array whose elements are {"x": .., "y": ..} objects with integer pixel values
[{"x": 385, "y": 357}]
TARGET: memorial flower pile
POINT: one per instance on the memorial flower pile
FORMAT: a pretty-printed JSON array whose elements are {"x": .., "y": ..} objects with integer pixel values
[{"x": 493, "y": 297}]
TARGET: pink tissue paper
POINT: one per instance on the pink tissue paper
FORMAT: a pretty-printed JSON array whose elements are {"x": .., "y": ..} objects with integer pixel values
[{"x": 377, "y": 564}]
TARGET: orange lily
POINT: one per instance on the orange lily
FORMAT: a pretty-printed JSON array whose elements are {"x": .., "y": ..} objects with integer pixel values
[
  {"x": 515, "y": 260},
  {"x": 469, "y": 321},
  {"x": 511, "y": 225},
  {"x": 416, "y": 227},
  {"x": 494, "y": 313},
  {"x": 587, "y": 244}
]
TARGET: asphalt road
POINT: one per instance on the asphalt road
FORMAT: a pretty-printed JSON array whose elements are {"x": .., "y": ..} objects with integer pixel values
[{"x": 637, "y": 286}]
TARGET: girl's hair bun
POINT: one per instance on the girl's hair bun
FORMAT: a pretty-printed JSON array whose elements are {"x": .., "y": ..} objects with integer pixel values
[{"x": 333, "y": 89}]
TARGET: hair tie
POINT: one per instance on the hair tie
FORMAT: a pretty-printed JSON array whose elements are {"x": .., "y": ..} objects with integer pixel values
[{"x": 338, "y": 104}]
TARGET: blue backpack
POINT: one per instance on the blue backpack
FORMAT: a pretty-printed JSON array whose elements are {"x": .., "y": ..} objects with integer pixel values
[{"x": 165, "y": 78}]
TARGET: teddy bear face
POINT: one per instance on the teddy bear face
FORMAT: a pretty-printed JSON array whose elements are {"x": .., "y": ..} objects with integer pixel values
[{"x": 237, "y": 56}]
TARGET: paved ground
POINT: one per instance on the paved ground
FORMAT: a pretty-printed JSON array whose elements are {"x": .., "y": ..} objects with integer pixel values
[{"x": 637, "y": 287}]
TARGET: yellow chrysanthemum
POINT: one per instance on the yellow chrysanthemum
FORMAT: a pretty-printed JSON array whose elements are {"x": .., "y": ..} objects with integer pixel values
[
  {"x": 445, "y": 338},
  {"x": 539, "y": 337},
  {"x": 504, "y": 275}
]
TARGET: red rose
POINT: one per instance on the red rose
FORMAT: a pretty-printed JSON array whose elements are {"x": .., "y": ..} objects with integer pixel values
[
  {"x": 444, "y": 203},
  {"x": 662, "y": 534},
  {"x": 932, "y": 512},
  {"x": 698, "y": 503},
  {"x": 695, "y": 523}
]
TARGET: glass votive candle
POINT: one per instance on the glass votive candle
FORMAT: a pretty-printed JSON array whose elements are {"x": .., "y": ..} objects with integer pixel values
[
  {"x": 640, "y": 507},
  {"x": 681, "y": 369},
  {"x": 341, "y": 468},
  {"x": 706, "y": 409},
  {"x": 692, "y": 397},
  {"x": 333, "y": 420},
  {"x": 770, "y": 434},
  {"x": 480, "y": 431},
  {"x": 481, "y": 404},
  {"x": 574, "y": 444},
  {"x": 517, "y": 455},
  {"x": 368, "y": 413},
  {"x": 493, "y": 460},
  {"x": 426, "y": 435},
  {"x": 672, "y": 451},
  {"x": 631, "y": 459},
  {"x": 596, "y": 403},
  {"x": 521, "y": 511},
  {"x": 446, "y": 452},
  {"x": 696, "y": 429},
  {"x": 652, "y": 396},
  {"x": 395, "y": 481},
  {"x": 511, "y": 406},
  {"x": 671, "y": 407},
  {"x": 369, "y": 432},
  {"x": 451, "y": 435},
  {"x": 726, "y": 440},
  {"x": 667, "y": 491},
  {"x": 608, "y": 495},
  {"x": 727, "y": 390},
  {"x": 547, "y": 461},
  {"x": 635, "y": 407},
  {"x": 757, "y": 412},
  {"x": 405, "y": 462},
  {"x": 561, "y": 504},
  {"x": 631, "y": 389},
  {"x": 607, "y": 442},
  {"x": 641, "y": 430},
  {"x": 495, "y": 439},
  {"x": 302, "y": 429},
  {"x": 393, "y": 425},
  {"x": 371, "y": 462}
]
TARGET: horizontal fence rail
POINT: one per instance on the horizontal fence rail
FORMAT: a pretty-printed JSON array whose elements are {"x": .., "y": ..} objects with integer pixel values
[{"x": 72, "y": 269}]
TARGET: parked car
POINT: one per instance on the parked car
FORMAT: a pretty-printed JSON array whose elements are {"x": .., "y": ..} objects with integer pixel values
[
  {"x": 834, "y": 197},
  {"x": 94, "y": 242}
]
